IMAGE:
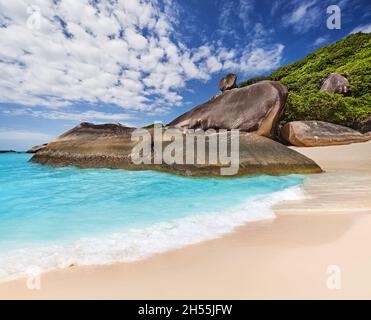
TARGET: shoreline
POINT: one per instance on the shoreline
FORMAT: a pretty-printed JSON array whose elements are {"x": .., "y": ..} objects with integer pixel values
[{"x": 282, "y": 258}]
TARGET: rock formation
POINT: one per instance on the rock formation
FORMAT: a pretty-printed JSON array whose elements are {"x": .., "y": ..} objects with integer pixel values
[
  {"x": 110, "y": 146},
  {"x": 364, "y": 125},
  {"x": 37, "y": 148},
  {"x": 93, "y": 139},
  {"x": 335, "y": 83},
  {"x": 228, "y": 82},
  {"x": 319, "y": 133},
  {"x": 255, "y": 108}
]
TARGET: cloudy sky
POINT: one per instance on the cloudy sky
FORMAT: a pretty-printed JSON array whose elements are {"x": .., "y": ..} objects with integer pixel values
[{"x": 139, "y": 61}]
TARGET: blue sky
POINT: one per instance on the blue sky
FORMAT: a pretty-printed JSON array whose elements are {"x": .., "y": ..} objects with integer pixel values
[{"x": 138, "y": 61}]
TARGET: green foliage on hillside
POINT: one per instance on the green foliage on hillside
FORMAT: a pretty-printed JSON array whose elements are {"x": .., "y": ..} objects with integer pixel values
[
  {"x": 251, "y": 81},
  {"x": 351, "y": 57}
]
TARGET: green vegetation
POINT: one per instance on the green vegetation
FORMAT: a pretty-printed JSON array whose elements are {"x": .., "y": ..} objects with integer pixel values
[
  {"x": 350, "y": 57},
  {"x": 252, "y": 81}
]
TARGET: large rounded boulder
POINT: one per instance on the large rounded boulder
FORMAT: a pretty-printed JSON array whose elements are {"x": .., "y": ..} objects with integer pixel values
[
  {"x": 228, "y": 82},
  {"x": 255, "y": 108},
  {"x": 363, "y": 125},
  {"x": 367, "y": 135},
  {"x": 88, "y": 139},
  {"x": 319, "y": 133},
  {"x": 110, "y": 146},
  {"x": 335, "y": 83}
]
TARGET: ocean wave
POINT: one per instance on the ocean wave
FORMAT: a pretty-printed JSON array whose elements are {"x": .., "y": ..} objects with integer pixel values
[{"x": 138, "y": 244}]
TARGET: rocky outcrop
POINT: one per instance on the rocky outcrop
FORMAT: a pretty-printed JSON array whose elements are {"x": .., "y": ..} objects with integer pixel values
[
  {"x": 368, "y": 135},
  {"x": 335, "y": 83},
  {"x": 228, "y": 82},
  {"x": 88, "y": 131},
  {"x": 319, "y": 133},
  {"x": 363, "y": 125},
  {"x": 255, "y": 108},
  {"x": 93, "y": 139},
  {"x": 110, "y": 146},
  {"x": 37, "y": 148}
]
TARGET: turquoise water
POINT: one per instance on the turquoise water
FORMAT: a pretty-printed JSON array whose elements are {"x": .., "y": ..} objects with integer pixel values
[{"x": 65, "y": 211}]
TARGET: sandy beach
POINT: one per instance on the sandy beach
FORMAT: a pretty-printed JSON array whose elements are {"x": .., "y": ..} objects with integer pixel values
[{"x": 285, "y": 258}]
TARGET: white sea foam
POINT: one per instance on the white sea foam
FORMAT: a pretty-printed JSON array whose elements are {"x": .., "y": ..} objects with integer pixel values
[{"x": 137, "y": 244}]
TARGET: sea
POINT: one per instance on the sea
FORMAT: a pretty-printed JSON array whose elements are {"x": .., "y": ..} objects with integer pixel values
[{"x": 55, "y": 218}]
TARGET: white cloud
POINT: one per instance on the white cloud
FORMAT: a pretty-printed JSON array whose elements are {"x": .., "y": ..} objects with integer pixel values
[
  {"x": 59, "y": 115},
  {"x": 23, "y": 135},
  {"x": 275, "y": 6},
  {"x": 121, "y": 53},
  {"x": 234, "y": 13},
  {"x": 245, "y": 9},
  {"x": 226, "y": 11},
  {"x": 104, "y": 52},
  {"x": 136, "y": 40},
  {"x": 320, "y": 41},
  {"x": 304, "y": 16},
  {"x": 364, "y": 28},
  {"x": 260, "y": 60},
  {"x": 213, "y": 64},
  {"x": 299, "y": 13}
]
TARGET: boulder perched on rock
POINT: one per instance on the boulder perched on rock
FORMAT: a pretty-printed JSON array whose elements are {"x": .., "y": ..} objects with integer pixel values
[
  {"x": 319, "y": 133},
  {"x": 255, "y": 108},
  {"x": 110, "y": 146},
  {"x": 228, "y": 82},
  {"x": 335, "y": 83},
  {"x": 37, "y": 148}
]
